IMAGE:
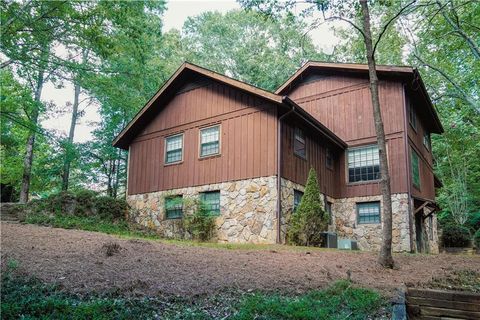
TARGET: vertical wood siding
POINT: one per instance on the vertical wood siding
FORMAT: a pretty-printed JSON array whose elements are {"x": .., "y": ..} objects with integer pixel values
[
  {"x": 247, "y": 143},
  {"x": 343, "y": 104},
  {"x": 296, "y": 169}
]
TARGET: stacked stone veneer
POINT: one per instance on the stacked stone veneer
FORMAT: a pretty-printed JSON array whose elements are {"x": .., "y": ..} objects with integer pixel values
[
  {"x": 369, "y": 236},
  {"x": 247, "y": 210}
]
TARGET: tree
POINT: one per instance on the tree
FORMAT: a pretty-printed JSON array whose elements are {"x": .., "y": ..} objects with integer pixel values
[{"x": 310, "y": 218}]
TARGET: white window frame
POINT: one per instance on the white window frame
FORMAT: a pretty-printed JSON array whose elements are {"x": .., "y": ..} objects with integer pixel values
[
  {"x": 165, "y": 148},
  {"x": 219, "y": 141}
]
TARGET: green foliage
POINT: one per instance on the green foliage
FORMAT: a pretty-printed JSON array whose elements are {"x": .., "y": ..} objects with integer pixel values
[
  {"x": 455, "y": 236},
  {"x": 476, "y": 239},
  {"x": 340, "y": 301},
  {"x": 200, "y": 224},
  {"x": 310, "y": 218}
]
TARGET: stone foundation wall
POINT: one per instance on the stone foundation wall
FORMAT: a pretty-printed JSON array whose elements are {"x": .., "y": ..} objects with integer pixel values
[
  {"x": 247, "y": 210},
  {"x": 369, "y": 236}
]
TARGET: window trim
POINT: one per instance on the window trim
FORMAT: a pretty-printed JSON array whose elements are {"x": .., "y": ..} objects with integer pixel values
[
  {"x": 358, "y": 204},
  {"x": 418, "y": 187},
  {"x": 201, "y": 194},
  {"x": 165, "y": 163},
  {"x": 165, "y": 206},
  {"x": 327, "y": 152},
  {"x": 347, "y": 176},
  {"x": 219, "y": 141},
  {"x": 413, "y": 123},
  {"x": 301, "y": 156}
]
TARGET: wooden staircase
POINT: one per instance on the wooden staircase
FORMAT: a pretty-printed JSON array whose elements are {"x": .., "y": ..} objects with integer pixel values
[{"x": 438, "y": 304}]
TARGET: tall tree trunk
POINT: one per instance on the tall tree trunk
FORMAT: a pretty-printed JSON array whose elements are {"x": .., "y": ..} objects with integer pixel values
[
  {"x": 73, "y": 124},
  {"x": 28, "y": 160},
  {"x": 71, "y": 134},
  {"x": 385, "y": 258}
]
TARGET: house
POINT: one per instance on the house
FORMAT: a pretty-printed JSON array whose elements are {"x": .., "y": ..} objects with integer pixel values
[{"x": 246, "y": 153}]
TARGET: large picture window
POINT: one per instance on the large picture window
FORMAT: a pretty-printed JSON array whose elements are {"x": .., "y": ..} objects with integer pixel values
[
  {"x": 415, "y": 169},
  {"x": 363, "y": 164},
  {"x": 368, "y": 212},
  {"x": 174, "y": 148},
  {"x": 299, "y": 145},
  {"x": 174, "y": 207},
  {"x": 211, "y": 202},
  {"x": 209, "y": 141}
]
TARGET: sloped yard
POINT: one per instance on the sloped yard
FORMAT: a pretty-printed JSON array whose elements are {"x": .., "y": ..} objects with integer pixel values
[{"x": 79, "y": 262}]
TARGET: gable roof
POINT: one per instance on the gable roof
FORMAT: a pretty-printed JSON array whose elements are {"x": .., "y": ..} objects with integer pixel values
[
  {"x": 400, "y": 72},
  {"x": 179, "y": 77}
]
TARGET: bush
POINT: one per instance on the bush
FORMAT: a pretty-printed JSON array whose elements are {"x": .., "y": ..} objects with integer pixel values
[
  {"x": 200, "y": 224},
  {"x": 476, "y": 239},
  {"x": 310, "y": 219},
  {"x": 455, "y": 236},
  {"x": 111, "y": 208}
]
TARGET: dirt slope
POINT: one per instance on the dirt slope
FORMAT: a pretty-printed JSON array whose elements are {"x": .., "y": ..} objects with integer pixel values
[{"x": 76, "y": 260}]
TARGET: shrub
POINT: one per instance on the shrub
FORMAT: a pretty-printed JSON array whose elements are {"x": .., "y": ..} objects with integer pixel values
[
  {"x": 473, "y": 221},
  {"x": 476, "y": 239},
  {"x": 200, "y": 224},
  {"x": 111, "y": 208},
  {"x": 455, "y": 236},
  {"x": 310, "y": 219}
]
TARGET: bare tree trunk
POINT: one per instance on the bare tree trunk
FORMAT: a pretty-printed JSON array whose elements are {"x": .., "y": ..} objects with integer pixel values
[
  {"x": 28, "y": 160},
  {"x": 385, "y": 258},
  {"x": 71, "y": 134}
]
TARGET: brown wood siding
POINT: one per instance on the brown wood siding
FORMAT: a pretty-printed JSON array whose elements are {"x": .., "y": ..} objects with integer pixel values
[
  {"x": 295, "y": 168},
  {"x": 415, "y": 140},
  {"x": 248, "y": 140},
  {"x": 343, "y": 104}
]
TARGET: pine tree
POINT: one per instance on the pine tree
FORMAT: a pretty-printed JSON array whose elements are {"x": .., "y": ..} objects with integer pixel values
[{"x": 310, "y": 218}]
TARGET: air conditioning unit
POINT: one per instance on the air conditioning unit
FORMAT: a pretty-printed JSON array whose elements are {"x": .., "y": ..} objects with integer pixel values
[
  {"x": 347, "y": 244},
  {"x": 329, "y": 239}
]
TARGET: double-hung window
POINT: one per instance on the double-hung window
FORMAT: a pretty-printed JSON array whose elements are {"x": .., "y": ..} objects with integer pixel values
[
  {"x": 210, "y": 141},
  {"x": 412, "y": 117},
  {"x": 174, "y": 148},
  {"x": 329, "y": 158},
  {"x": 211, "y": 202},
  {"x": 299, "y": 145},
  {"x": 363, "y": 164},
  {"x": 368, "y": 212},
  {"x": 415, "y": 163},
  {"x": 297, "y": 197},
  {"x": 174, "y": 207},
  {"x": 426, "y": 140}
]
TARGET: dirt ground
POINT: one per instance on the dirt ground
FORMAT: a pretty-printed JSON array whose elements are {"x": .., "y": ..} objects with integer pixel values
[{"x": 78, "y": 261}]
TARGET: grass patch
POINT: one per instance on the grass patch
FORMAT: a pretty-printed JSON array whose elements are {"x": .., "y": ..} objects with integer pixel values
[{"x": 28, "y": 298}]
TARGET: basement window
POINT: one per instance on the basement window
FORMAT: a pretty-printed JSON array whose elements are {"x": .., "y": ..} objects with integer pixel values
[
  {"x": 211, "y": 202},
  {"x": 174, "y": 148},
  {"x": 299, "y": 145},
  {"x": 368, "y": 212},
  {"x": 174, "y": 207},
  {"x": 210, "y": 141},
  {"x": 297, "y": 197},
  {"x": 363, "y": 164}
]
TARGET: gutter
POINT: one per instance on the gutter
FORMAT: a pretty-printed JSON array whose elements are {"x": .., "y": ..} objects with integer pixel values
[
  {"x": 279, "y": 172},
  {"x": 407, "y": 167}
]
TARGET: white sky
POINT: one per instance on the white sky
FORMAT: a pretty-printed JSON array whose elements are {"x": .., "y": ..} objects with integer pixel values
[{"x": 174, "y": 17}]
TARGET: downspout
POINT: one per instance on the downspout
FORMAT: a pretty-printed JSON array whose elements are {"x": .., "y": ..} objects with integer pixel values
[
  {"x": 279, "y": 172},
  {"x": 407, "y": 167}
]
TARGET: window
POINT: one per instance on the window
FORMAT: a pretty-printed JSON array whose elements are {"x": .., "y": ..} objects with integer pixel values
[
  {"x": 415, "y": 163},
  {"x": 368, "y": 212},
  {"x": 174, "y": 148},
  {"x": 363, "y": 164},
  {"x": 328, "y": 209},
  {"x": 211, "y": 201},
  {"x": 412, "y": 118},
  {"x": 299, "y": 143},
  {"x": 174, "y": 207},
  {"x": 297, "y": 197},
  {"x": 209, "y": 141},
  {"x": 426, "y": 140},
  {"x": 329, "y": 159}
]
